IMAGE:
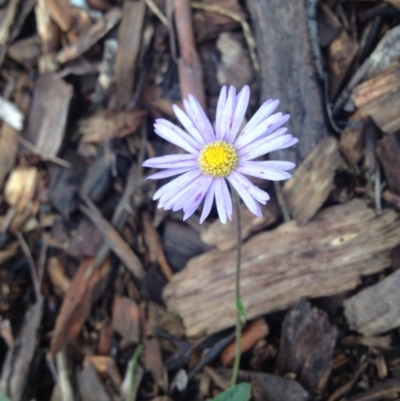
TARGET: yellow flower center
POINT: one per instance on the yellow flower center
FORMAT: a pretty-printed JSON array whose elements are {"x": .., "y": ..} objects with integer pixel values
[{"x": 218, "y": 159}]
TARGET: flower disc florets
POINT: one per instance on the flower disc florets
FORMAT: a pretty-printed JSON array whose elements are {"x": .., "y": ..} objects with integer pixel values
[{"x": 218, "y": 159}]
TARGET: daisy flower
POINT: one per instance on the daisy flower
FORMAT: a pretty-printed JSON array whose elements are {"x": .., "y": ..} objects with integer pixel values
[{"x": 217, "y": 156}]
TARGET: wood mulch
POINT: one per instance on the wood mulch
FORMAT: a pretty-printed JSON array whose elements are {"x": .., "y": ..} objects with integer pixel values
[{"x": 92, "y": 271}]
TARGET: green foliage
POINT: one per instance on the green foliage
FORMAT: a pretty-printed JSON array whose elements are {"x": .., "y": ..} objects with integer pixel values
[
  {"x": 3, "y": 397},
  {"x": 240, "y": 392}
]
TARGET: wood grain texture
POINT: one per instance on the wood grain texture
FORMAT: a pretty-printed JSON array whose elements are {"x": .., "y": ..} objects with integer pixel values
[
  {"x": 376, "y": 309},
  {"x": 287, "y": 70},
  {"x": 129, "y": 38},
  {"x": 311, "y": 183},
  {"x": 284, "y": 265},
  {"x": 48, "y": 114},
  {"x": 379, "y": 98}
]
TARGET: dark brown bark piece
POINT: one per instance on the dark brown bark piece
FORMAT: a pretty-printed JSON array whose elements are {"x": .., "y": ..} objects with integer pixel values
[
  {"x": 267, "y": 387},
  {"x": 287, "y": 70},
  {"x": 284, "y": 265},
  {"x": 388, "y": 151},
  {"x": 77, "y": 303},
  {"x": 379, "y": 98},
  {"x": 129, "y": 39},
  {"x": 48, "y": 114},
  {"x": 376, "y": 309},
  {"x": 312, "y": 182},
  {"x": 181, "y": 243},
  {"x": 306, "y": 346}
]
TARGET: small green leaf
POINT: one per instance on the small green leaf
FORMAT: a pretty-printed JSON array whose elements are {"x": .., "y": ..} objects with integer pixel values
[
  {"x": 240, "y": 392},
  {"x": 241, "y": 310},
  {"x": 3, "y": 397}
]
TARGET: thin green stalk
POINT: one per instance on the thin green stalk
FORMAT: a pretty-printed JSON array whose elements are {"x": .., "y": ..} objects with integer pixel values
[
  {"x": 133, "y": 363},
  {"x": 238, "y": 302}
]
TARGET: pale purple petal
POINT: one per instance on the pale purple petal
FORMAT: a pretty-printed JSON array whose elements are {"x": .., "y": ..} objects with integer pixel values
[
  {"x": 219, "y": 113},
  {"x": 266, "y": 109},
  {"x": 169, "y": 173},
  {"x": 266, "y": 145},
  {"x": 273, "y": 164},
  {"x": 267, "y": 127},
  {"x": 227, "y": 199},
  {"x": 199, "y": 118},
  {"x": 197, "y": 196},
  {"x": 188, "y": 124},
  {"x": 184, "y": 198},
  {"x": 249, "y": 201},
  {"x": 208, "y": 202},
  {"x": 177, "y": 183},
  {"x": 171, "y": 161},
  {"x": 257, "y": 193},
  {"x": 263, "y": 172},
  {"x": 227, "y": 114},
  {"x": 174, "y": 137},
  {"x": 223, "y": 200},
  {"x": 242, "y": 101}
]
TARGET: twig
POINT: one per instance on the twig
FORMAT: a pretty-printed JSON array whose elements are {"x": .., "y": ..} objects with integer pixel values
[
  {"x": 37, "y": 151},
  {"x": 189, "y": 65},
  {"x": 248, "y": 35},
  {"x": 31, "y": 264},
  {"x": 156, "y": 10}
]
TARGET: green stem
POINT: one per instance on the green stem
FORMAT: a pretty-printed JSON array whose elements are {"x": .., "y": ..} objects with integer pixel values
[
  {"x": 133, "y": 363},
  {"x": 238, "y": 331}
]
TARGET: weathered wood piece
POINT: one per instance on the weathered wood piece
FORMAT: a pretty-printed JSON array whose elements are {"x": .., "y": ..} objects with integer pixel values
[
  {"x": 126, "y": 318},
  {"x": 223, "y": 236},
  {"x": 376, "y": 309},
  {"x": 90, "y": 385},
  {"x": 287, "y": 70},
  {"x": 352, "y": 139},
  {"x": 312, "y": 181},
  {"x": 129, "y": 38},
  {"x": 181, "y": 243},
  {"x": 342, "y": 51},
  {"x": 101, "y": 126},
  {"x": 89, "y": 38},
  {"x": 388, "y": 151},
  {"x": 48, "y": 114},
  {"x": 388, "y": 390},
  {"x": 267, "y": 387},
  {"x": 379, "y": 98},
  {"x": 329, "y": 26},
  {"x": 16, "y": 367},
  {"x": 282, "y": 266},
  {"x": 387, "y": 51},
  {"x": 306, "y": 346}
]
